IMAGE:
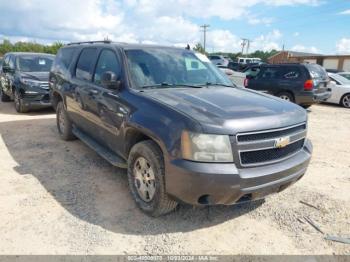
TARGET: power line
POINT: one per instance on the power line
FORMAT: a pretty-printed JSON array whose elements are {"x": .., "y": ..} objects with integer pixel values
[{"x": 205, "y": 26}]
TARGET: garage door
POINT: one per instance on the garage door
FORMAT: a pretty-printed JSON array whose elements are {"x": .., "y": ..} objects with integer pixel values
[
  {"x": 310, "y": 61},
  {"x": 346, "y": 66},
  {"x": 330, "y": 63}
]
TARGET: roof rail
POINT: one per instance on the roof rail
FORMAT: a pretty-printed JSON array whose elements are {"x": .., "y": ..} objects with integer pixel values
[{"x": 91, "y": 42}]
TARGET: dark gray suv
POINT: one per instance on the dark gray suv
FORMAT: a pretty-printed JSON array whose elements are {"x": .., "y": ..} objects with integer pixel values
[{"x": 176, "y": 123}]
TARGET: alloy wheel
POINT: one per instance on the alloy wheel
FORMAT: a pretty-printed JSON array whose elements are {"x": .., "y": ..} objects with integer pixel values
[
  {"x": 346, "y": 101},
  {"x": 144, "y": 179},
  {"x": 285, "y": 97}
]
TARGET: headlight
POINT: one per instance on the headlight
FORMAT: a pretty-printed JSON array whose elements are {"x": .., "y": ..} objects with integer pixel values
[{"x": 206, "y": 147}]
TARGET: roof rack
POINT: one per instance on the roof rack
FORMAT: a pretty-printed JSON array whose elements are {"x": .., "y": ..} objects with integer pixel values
[{"x": 91, "y": 42}]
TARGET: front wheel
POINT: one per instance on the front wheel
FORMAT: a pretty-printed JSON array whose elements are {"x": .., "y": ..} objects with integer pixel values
[
  {"x": 345, "y": 101},
  {"x": 146, "y": 176},
  {"x": 19, "y": 104}
]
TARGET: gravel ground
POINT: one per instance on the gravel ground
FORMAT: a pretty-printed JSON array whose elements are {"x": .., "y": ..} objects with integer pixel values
[{"x": 60, "y": 197}]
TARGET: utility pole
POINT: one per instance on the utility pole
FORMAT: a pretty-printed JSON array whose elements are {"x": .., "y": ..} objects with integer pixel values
[
  {"x": 245, "y": 42},
  {"x": 204, "y": 34}
]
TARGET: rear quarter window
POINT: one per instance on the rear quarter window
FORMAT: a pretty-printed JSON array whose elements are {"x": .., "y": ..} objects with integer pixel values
[
  {"x": 291, "y": 73},
  {"x": 64, "y": 59}
]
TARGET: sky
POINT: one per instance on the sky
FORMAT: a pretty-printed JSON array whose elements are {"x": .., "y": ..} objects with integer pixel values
[{"x": 317, "y": 26}]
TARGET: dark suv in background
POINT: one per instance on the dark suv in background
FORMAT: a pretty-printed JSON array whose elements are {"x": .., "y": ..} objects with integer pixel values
[
  {"x": 177, "y": 124},
  {"x": 24, "y": 79},
  {"x": 303, "y": 84}
]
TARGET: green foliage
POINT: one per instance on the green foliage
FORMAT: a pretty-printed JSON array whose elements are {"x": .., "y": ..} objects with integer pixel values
[
  {"x": 7, "y": 46},
  {"x": 199, "y": 48}
]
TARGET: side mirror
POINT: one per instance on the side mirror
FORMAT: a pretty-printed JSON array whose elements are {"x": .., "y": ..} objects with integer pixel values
[
  {"x": 7, "y": 69},
  {"x": 333, "y": 82},
  {"x": 110, "y": 80},
  {"x": 249, "y": 77}
]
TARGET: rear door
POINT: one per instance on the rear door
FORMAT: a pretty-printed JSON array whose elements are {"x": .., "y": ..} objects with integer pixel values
[
  {"x": 266, "y": 80},
  {"x": 80, "y": 106}
]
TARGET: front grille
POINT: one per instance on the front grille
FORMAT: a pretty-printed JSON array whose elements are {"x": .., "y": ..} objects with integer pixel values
[
  {"x": 44, "y": 86},
  {"x": 272, "y": 154},
  {"x": 269, "y": 135}
]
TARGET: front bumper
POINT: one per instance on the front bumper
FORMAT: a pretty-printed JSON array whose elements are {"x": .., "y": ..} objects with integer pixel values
[
  {"x": 37, "y": 101},
  {"x": 217, "y": 183},
  {"x": 309, "y": 98}
]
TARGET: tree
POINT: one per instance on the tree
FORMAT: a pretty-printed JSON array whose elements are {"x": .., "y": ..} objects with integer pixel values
[
  {"x": 199, "y": 48},
  {"x": 7, "y": 46}
]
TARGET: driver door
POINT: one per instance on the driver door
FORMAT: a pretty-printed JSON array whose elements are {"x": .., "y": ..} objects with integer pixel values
[{"x": 107, "y": 105}]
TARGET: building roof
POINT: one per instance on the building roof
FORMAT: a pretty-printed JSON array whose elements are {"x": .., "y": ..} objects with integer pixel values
[{"x": 295, "y": 54}]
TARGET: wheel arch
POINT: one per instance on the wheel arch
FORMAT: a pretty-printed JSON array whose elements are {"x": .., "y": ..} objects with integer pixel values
[
  {"x": 134, "y": 135},
  {"x": 56, "y": 97}
]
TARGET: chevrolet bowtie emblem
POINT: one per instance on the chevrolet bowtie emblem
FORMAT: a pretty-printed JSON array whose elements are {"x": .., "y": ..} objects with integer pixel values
[{"x": 282, "y": 142}]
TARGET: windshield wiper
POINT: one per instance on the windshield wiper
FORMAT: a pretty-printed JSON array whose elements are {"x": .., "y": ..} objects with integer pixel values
[
  {"x": 165, "y": 84},
  {"x": 216, "y": 84}
]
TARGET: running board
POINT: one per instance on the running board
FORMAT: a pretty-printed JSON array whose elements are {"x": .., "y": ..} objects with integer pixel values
[{"x": 107, "y": 154}]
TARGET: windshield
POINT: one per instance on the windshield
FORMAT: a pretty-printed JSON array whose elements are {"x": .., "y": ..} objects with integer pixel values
[
  {"x": 341, "y": 79},
  {"x": 172, "y": 67},
  {"x": 34, "y": 63}
]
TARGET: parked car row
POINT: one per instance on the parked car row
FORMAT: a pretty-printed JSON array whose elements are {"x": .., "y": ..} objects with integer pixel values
[
  {"x": 303, "y": 84},
  {"x": 169, "y": 116}
]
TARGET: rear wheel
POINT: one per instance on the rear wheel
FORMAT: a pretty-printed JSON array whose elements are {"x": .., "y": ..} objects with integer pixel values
[
  {"x": 19, "y": 104},
  {"x": 146, "y": 176},
  {"x": 4, "y": 97},
  {"x": 345, "y": 101},
  {"x": 64, "y": 125},
  {"x": 286, "y": 96}
]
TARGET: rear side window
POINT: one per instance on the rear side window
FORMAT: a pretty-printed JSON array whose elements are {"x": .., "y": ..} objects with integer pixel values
[
  {"x": 64, "y": 57},
  {"x": 271, "y": 73},
  {"x": 85, "y": 64},
  {"x": 316, "y": 71}
]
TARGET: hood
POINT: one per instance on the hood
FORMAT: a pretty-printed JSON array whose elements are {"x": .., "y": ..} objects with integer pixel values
[
  {"x": 39, "y": 76},
  {"x": 230, "y": 110}
]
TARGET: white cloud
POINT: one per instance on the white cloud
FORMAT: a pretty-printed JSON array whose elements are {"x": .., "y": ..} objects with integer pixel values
[
  {"x": 145, "y": 21},
  {"x": 345, "y": 12},
  {"x": 301, "y": 48},
  {"x": 296, "y": 34},
  {"x": 343, "y": 46},
  {"x": 257, "y": 21}
]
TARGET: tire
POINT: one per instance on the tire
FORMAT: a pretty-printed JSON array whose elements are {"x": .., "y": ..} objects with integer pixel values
[
  {"x": 286, "y": 96},
  {"x": 306, "y": 106},
  {"x": 345, "y": 100},
  {"x": 4, "y": 97},
  {"x": 19, "y": 105},
  {"x": 64, "y": 125},
  {"x": 155, "y": 202}
]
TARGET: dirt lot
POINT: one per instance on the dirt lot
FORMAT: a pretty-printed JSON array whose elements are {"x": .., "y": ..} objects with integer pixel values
[{"x": 60, "y": 197}]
